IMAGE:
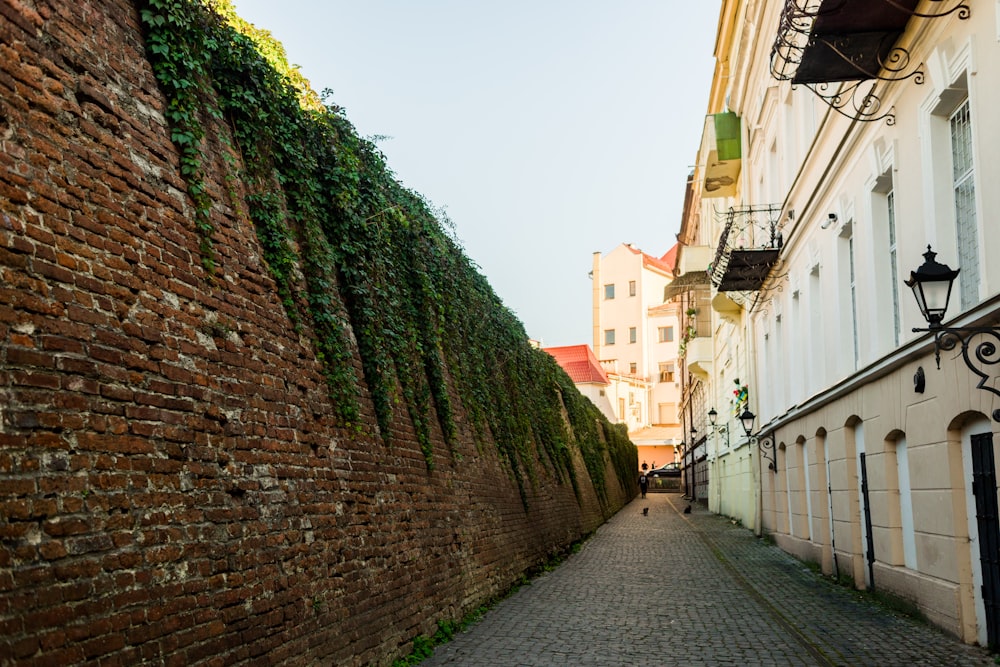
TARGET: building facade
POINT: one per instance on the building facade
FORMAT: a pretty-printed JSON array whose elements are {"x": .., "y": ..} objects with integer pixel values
[
  {"x": 587, "y": 374},
  {"x": 636, "y": 339},
  {"x": 865, "y": 132}
]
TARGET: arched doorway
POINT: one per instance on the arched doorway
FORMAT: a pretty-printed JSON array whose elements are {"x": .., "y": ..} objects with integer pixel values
[
  {"x": 987, "y": 527},
  {"x": 979, "y": 463}
]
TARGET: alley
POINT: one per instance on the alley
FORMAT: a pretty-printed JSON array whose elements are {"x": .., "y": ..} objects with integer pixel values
[{"x": 693, "y": 590}]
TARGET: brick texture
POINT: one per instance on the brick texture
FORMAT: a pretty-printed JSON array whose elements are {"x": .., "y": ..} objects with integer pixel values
[{"x": 172, "y": 489}]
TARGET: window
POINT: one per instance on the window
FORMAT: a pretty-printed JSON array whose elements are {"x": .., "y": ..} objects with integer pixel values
[
  {"x": 609, "y": 291},
  {"x": 963, "y": 182},
  {"x": 667, "y": 371},
  {"x": 631, "y": 288},
  {"x": 665, "y": 334},
  {"x": 632, "y": 368},
  {"x": 668, "y": 413},
  {"x": 609, "y": 336},
  {"x": 854, "y": 298},
  {"x": 631, "y": 334},
  {"x": 888, "y": 327},
  {"x": 890, "y": 200}
]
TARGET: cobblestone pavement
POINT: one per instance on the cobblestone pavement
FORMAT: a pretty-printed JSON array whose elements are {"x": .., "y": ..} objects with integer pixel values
[{"x": 692, "y": 590}]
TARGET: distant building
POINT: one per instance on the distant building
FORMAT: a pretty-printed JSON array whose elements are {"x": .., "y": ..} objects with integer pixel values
[
  {"x": 656, "y": 444},
  {"x": 636, "y": 340},
  {"x": 583, "y": 368}
]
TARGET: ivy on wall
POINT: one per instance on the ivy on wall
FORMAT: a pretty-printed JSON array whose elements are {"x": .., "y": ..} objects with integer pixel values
[{"x": 352, "y": 251}]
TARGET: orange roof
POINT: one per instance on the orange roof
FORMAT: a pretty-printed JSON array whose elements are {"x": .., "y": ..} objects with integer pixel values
[
  {"x": 579, "y": 363},
  {"x": 670, "y": 257},
  {"x": 656, "y": 263}
]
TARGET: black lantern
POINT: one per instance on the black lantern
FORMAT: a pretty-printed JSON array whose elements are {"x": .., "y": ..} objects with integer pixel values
[
  {"x": 713, "y": 416},
  {"x": 931, "y": 285},
  {"x": 765, "y": 444},
  {"x": 747, "y": 419}
]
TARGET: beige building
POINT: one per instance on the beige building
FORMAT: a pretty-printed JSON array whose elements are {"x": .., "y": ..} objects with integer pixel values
[
  {"x": 864, "y": 134},
  {"x": 636, "y": 339},
  {"x": 656, "y": 445}
]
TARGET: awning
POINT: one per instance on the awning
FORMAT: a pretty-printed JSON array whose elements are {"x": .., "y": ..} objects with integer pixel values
[
  {"x": 842, "y": 49},
  {"x": 838, "y": 40},
  {"x": 747, "y": 270},
  {"x": 685, "y": 283},
  {"x": 748, "y": 248}
]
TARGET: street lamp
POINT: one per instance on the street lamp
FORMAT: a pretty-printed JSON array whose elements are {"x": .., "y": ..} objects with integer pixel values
[
  {"x": 932, "y": 284},
  {"x": 765, "y": 444},
  {"x": 720, "y": 428}
]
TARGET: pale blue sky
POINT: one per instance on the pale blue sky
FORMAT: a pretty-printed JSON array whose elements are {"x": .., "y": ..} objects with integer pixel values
[{"x": 547, "y": 129}]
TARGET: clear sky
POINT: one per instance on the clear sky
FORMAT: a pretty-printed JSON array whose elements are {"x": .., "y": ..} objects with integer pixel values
[{"x": 546, "y": 129}]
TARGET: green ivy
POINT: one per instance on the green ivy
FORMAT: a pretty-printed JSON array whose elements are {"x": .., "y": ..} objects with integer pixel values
[
  {"x": 363, "y": 260},
  {"x": 176, "y": 50}
]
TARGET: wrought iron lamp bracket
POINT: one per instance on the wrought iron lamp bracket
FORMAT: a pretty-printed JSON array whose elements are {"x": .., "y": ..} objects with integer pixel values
[
  {"x": 766, "y": 446},
  {"x": 721, "y": 428},
  {"x": 986, "y": 351}
]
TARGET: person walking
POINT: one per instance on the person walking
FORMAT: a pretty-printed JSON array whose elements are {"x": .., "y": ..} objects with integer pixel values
[{"x": 643, "y": 483}]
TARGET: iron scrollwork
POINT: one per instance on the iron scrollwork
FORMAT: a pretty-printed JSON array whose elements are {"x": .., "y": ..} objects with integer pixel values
[
  {"x": 856, "y": 100},
  {"x": 766, "y": 446},
  {"x": 861, "y": 61},
  {"x": 986, "y": 351},
  {"x": 963, "y": 10}
]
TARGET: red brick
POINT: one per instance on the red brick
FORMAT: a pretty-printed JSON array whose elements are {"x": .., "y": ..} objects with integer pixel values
[{"x": 169, "y": 479}]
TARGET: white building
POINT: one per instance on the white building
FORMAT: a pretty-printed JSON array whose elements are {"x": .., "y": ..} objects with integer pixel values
[
  {"x": 586, "y": 373},
  {"x": 636, "y": 335},
  {"x": 865, "y": 133}
]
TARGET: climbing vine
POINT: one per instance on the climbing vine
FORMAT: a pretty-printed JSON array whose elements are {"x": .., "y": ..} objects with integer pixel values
[
  {"x": 179, "y": 62},
  {"x": 361, "y": 257}
]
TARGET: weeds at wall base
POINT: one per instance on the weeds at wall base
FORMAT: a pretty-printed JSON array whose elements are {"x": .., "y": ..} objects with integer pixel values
[{"x": 423, "y": 646}]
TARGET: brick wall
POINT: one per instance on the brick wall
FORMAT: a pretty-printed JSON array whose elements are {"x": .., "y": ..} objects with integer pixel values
[{"x": 171, "y": 487}]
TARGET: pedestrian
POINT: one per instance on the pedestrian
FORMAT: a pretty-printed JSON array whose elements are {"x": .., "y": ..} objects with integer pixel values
[{"x": 643, "y": 483}]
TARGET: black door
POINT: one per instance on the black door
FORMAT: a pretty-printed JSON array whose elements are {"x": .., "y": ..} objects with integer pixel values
[
  {"x": 867, "y": 509},
  {"x": 984, "y": 487}
]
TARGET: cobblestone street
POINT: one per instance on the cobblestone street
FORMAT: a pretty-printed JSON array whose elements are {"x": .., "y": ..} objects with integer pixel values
[{"x": 692, "y": 590}]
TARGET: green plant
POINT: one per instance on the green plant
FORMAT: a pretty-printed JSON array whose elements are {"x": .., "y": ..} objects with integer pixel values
[
  {"x": 361, "y": 263},
  {"x": 174, "y": 39}
]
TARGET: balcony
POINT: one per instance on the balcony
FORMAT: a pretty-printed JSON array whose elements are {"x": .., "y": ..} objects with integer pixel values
[
  {"x": 748, "y": 249},
  {"x": 852, "y": 44},
  {"x": 699, "y": 356},
  {"x": 693, "y": 263}
]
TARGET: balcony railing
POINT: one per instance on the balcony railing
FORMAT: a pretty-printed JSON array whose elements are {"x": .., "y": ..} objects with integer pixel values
[{"x": 748, "y": 248}]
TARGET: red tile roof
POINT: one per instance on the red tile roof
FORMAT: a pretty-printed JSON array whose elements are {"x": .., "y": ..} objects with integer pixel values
[
  {"x": 670, "y": 257},
  {"x": 663, "y": 264},
  {"x": 579, "y": 363}
]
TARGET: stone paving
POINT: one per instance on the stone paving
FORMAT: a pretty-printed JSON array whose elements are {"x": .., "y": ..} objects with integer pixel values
[{"x": 692, "y": 590}]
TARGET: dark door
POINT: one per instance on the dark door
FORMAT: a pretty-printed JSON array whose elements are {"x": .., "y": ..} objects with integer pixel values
[
  {"x": 984, "y": 487},
  {"x": 867, "y": 509}
]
